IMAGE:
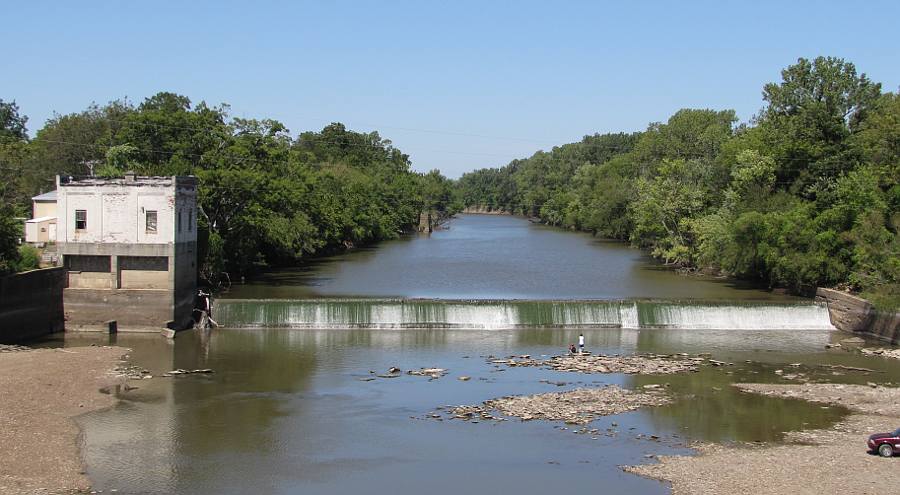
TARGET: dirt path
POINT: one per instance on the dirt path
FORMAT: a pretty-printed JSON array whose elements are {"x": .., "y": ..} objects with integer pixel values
[
  {"x": 812, "y": 462},
  {"x": 40, "y": 392}
]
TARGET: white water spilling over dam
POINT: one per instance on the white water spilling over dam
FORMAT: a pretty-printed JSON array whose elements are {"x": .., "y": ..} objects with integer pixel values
[{"x": 486, "y": 314}]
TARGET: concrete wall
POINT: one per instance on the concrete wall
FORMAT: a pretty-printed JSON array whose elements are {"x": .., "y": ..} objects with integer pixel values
[
  {"x": 31, "y": 304},
  {"x": 91, "y": 280},
  {"x": 134, "y": 310},
  {"x": 143, "y": 279},
  {"x": 886, "y": 326},
  {"x": 185, "y": 282},
  {"x": 186, "y": 208},
  {"x": 850, "y": 313}
]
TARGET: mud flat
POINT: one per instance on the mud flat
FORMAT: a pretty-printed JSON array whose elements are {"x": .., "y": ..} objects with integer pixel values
[
  {"x": 813, "y": 462},
  {"x": 41, "y": 391}
]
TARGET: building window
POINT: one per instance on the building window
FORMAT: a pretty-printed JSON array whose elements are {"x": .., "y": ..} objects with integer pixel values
[
  {"x": 80, "y": 219},
  {"x": 151, "y": 221},
  {"x": 179, "y": 220},
  {"x": 87, "y": 263},
  {"x": 191, "y": 220},
  {"x": 144, "y": 263}
]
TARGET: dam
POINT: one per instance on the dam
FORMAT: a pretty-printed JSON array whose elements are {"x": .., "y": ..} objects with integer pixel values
[{"x": 505, "y": 314}]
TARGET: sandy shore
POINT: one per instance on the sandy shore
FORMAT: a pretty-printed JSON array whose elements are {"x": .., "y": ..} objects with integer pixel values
[
  {"x": 812, "y": 462},
  {"x": 41, "y": 391}
]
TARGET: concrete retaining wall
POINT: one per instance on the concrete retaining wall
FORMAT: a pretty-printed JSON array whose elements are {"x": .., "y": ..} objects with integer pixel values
[
  {"x": 886, "y": 326},
  {"x": 133, "y": 310},
  {"x": 31, "y": 304},
  {"x": 850, "y": 313}
]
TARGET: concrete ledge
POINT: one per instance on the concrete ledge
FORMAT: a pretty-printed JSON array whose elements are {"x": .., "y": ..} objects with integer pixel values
[
  {"x": 850, "y": 313},
  {"x": 104, "y": 328}
]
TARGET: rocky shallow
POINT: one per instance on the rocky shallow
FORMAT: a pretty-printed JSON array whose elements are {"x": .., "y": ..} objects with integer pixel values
[
  {"x": 577, "y": 407},
  {"x": 887, "y": 353},
  {"x": 816, "y": 461},
  {"x": 13, "y": 348},
  {"x": 646, "y": 364}
]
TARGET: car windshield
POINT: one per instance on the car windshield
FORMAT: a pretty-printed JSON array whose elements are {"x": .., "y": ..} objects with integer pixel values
[{"x": 897, "y": 433}]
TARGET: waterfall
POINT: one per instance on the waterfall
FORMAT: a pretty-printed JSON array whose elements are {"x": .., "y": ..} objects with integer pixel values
[{"x": 425, "y": 313}]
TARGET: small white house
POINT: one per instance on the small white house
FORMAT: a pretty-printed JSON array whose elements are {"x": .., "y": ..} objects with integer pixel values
[{"x": 40, "y": 230}]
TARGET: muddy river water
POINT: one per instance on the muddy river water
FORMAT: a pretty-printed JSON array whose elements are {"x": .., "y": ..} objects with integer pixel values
[{"x": 293, "y": 406}]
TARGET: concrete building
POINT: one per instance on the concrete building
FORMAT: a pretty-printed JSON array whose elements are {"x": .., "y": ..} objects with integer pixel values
[
  {"x": 130, "y": 247},
  {"x": 41, "y": 228}
]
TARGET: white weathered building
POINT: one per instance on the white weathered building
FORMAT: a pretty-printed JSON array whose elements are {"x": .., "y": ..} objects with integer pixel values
[{"x": 130, "y": 247}]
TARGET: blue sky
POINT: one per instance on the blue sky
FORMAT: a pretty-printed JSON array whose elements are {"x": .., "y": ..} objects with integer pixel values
[{"x": 457, "y": 85}]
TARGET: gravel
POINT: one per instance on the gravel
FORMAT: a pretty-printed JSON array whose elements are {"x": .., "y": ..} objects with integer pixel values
[
  {"x": 42, "y": 391},
  {"x": 580, "y": 406}
]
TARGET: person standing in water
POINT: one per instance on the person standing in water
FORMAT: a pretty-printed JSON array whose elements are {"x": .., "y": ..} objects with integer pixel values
[{"x": 580, "y": 343}]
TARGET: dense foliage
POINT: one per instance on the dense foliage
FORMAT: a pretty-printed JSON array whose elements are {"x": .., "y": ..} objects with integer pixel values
[
  {"x": 266, "y": 197},
  {"x": 807, "y": 194}
]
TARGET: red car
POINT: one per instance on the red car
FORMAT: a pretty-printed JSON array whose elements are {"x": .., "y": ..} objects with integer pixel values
[{"x": 886, "y": 444}]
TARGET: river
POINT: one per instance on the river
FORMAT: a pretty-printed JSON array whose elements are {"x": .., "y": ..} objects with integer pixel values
[
  {"x": 294, "y": 406},
  {"x": 493, "y": 257}
]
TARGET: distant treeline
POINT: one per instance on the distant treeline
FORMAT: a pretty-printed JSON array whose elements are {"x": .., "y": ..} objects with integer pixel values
[
  {"x": 266, "y": 197},
  {"x": 806, "y": 194}
]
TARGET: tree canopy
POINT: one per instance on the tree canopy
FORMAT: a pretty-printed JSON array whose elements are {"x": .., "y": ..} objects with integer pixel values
[
  {"x": 266, "y": 197},
  {"x": 806, "y": 194}
]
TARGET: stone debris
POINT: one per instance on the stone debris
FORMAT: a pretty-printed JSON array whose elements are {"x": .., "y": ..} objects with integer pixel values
[
  {"x": 14, "y": 348},
  {"x": 188, "y": 372},
  {"x": 433, "y": 373},
  {"x": 575, "y": 407},
  {"x": 650, "y": 364},
  {"x": 130, "y": 372},
  {"x": 888, "y": 353},
  {"x": 464, "y": 378}
]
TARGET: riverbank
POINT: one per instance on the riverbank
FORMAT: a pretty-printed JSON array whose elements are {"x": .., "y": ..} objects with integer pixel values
[
  {"x": 816, "y": 461},
  {"x": 43, "y": 391}
]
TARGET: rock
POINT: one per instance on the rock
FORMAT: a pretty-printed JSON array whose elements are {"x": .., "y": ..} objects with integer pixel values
[
  {"x": 430, "y": 372},
  {"x": 464, "y": 378},
  {"x": 394, "y": 369}
]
